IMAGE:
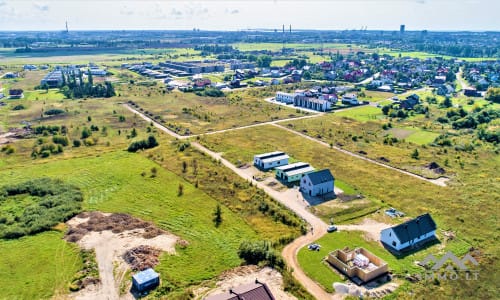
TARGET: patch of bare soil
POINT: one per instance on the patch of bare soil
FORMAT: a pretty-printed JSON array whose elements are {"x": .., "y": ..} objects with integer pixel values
[
  {"x": 371, "y": 228},
  {"x": 247, "y": 274},
  {"x": 113, "y": 236},
  {"x": 436, "y": 168}
]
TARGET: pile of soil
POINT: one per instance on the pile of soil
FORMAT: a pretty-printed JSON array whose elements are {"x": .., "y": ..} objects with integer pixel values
[
  {"x": 142, "y": 257},
  {"x": 433, "y": 166},
  {"x": 116, "y": 222},
  {"x": 384, "y": 159}
]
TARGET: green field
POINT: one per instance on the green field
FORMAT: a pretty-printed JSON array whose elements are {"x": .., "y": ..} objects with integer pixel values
[
  {"x": 37, "y": 267},
  {"x": 362, "y": 113},
  {"x": 113, "y": 183},
  {"x": 314, "y": 266}
]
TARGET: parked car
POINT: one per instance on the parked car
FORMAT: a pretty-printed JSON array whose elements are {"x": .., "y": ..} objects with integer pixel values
[
  {"x": 314, "y": 247},
  {"x": 393, "y": 213},
  {"x": 331, "y": 228}
]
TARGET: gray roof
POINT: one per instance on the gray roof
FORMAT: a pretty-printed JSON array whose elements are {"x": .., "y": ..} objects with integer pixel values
[
  {"x": 145, "y": 276},
  {"x": 269, "y": 155},
  {"x": 414, "y": 228},
  {"x": 320, "y": 176}
]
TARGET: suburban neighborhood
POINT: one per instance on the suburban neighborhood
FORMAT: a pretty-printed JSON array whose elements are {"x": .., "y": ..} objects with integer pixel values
[{"x": 257, "y": 159}]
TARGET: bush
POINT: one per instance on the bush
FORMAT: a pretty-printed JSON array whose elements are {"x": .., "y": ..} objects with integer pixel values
[
  {"x": 19, "y": 107},
  {"x": 51, "y": 202},
  {"x": 260, "y": 252},
  {"x": 77, "y": 143},
  {"x": 150, "y": 142},
  {"x": 61, "y": 140},
  {"x": 54, "y": 111}
]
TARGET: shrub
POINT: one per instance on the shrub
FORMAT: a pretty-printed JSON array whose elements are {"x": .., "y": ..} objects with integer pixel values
[
  {"x": 54, "y": 111},
  {"x": 52, "y": 202},
  {"x": 150, "y": 142},
  {"x": 61, "y": 140},
  {"x": 19, "y": 107}
]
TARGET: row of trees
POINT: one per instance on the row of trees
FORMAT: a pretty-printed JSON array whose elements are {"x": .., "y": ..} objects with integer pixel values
[{"x": 74, "y": 87}]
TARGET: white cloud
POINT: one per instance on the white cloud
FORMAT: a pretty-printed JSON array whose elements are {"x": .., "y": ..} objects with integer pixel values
[{"x": 2, "y": 3}]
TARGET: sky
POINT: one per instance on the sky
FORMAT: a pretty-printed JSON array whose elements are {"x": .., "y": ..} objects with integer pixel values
[{"x": 473, "y": 15}]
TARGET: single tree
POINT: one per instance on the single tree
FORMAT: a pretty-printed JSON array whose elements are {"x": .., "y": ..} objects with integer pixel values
[{"x": 217, "y": 216}]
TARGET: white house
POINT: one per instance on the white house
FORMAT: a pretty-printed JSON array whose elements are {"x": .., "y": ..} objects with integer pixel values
[
  {"x": 270, "y": 160},
  {"x": 312, "y": 103},
  {"x": 293, "y": 172},
  {"x": 284, "y": 97},
  {"x": 350, "y": 99},
  {"x": 409, "y": 234},
  {"x": 317, "y": 183}
]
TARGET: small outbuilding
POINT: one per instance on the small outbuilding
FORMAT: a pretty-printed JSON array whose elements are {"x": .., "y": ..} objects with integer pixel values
[{"x": 145, "y": 280}]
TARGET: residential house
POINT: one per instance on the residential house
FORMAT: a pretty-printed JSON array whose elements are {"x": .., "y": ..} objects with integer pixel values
[
  {"x": 270, "y": 160},
  {"x": 359, "y": 264},
  {"x": 252, "y": 291},
  {"x": 285, "y": 97},
  {"x": 201, "y": 82},
  {"x": 351, "y": 99},
  {"x": 16, "y": 94},
  {"x": 410, "y": 101},
  {"x": 317, "y": 183},
  {"x": 312, "y": 103},
  {"x": 409, "y": 234},
  {"x": 471, "y": 92},
  {"x": 293, "y": 172}
]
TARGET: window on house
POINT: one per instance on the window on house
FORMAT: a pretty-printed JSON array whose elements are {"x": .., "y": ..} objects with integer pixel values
[{"x": 390, "y": 233}]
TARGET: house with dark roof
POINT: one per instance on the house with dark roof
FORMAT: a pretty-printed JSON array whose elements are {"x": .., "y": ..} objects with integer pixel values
[
  {"x": 410, "y": 234},
  {"x": 410, "y": 101},
  {"x": 317, "y": 183},
  {"x": 252, "y": 291}
]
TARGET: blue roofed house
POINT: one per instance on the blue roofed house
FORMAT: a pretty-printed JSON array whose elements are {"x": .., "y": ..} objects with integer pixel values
[
  {"x": 410, "y": 234},
  {"x": 317, "y": 183}
]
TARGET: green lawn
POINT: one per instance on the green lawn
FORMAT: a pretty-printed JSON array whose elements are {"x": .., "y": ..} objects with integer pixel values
[
  {"x": 113, "y": 183},
  {"x": 37, "y": 267},
  {"x": 422, "y": 137},
  {"x": 362, "y": 113},
  {"x": 313, "y": 265},
  {"x": 349, "y": 190}
]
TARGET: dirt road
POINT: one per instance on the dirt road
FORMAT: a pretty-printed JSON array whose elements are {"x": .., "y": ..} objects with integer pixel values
[{"x": 440, "y": 181}]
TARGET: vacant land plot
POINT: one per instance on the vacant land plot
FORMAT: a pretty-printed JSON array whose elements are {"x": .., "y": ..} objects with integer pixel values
[
  {"x": 376, "y": 96},
  {"x": 421, "y": 137},
  {"x": 187, "y": 113},
  {"x": 37, "y": 267},
  {"x": 362, "y": 114}
]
